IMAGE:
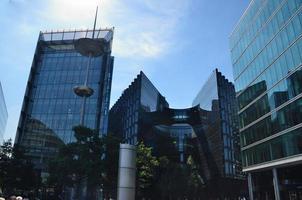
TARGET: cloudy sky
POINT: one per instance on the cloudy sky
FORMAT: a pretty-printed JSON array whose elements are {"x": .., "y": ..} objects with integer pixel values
[{"x": 177, "y": 43}]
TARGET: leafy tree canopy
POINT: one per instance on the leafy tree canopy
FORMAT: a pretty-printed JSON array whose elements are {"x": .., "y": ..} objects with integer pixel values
[{"x": 17, "y": 174}]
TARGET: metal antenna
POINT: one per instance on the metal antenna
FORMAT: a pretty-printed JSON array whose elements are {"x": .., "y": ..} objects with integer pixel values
[
  {"x": 88, "y": 47},
  {"x": 96, "y": 16}
]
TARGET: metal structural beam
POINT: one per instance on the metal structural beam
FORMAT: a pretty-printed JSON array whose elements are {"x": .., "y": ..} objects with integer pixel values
[
  {"x": 276, "y": 184},
  {"x": 250, "y": 186}
]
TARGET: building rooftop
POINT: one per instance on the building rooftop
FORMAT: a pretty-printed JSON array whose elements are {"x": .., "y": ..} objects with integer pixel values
[{"x": 60, "y": 35}]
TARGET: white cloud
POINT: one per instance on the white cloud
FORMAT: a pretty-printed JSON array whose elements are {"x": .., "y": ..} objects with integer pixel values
[
  {"x": 16, "y": 1},
  {"x": 66, "y": 11},
  {"x": 144, "y": 28},
  {"x": 149, "y": 31}
]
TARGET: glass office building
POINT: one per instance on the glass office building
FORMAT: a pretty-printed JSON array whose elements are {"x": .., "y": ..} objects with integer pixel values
[
  {"x": 51, "y": 108},
  {"x": 3, "y": 114},
  {"x": 180, "y": 134},
  {"x": 208, "y": 131},
  {"x": 217, "y": 96},
  {"x": 125, "y": 115},
  {"x": 266, "y": 51}
]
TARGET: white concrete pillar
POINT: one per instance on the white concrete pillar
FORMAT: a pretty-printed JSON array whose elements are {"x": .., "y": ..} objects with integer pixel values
[{"x": 127, "y": 172}]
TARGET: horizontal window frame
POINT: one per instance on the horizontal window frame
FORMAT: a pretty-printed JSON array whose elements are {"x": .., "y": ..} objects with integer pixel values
[
  {"x": 261, "y": 29},
  {"x": 299, "y": 67},
  {"x": 272, "y": 137},
  {"x": 277, "y": 57},
  {"x": 271, "y": 112}
]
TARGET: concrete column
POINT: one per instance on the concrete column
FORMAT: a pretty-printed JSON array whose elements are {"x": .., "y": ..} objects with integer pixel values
[
  {"x": 127, "y": 172},
  {"x": 276, "y": 184},
  {"x": 250, "y": 186}
]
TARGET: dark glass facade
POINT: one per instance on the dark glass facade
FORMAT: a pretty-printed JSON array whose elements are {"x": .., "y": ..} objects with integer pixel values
[
  {"x": 217, "y": 97},
  {"x": 208, "y": 131},
  {"x": 50, "y": 107},
  {"x": 172, "y": 132},
  {"x": 3, "y": 114},
  {"x": 126, "y": 114},
  {"x": 181, "y": 135},
  {"x": 266, "y": 51}
]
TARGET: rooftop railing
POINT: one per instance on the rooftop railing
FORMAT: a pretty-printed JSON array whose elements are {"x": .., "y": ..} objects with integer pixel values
[{"x": 76, "y": 34}]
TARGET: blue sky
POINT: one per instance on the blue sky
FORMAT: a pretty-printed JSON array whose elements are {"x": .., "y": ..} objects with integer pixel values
[{"x": 177, "y": 43}]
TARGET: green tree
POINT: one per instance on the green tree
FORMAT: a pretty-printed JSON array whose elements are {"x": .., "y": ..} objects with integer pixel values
[
  {"x": 146, "y": 165},
  {"x": 111, "y": 165},
  {"x": 175, "y": 179},
  {"x": 17, "y": 174},
  {"x": 165, "y": 146},
  {"x": 80, "y": 164},
  {"x": 195, "y": 183},
  {"x": 171, "y": 179}
]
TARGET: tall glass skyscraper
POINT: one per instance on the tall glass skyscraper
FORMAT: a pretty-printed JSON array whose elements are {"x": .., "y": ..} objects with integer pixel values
[
  {"x": 266, "y": 51},
  {"x": 3, "y": 114},
  {"x": 51, "y": 108}
]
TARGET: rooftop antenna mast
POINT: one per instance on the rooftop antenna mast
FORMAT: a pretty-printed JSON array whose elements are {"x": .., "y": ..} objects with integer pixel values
[
  {"x": 88, "y": 47},
  {"x": 94, "y": 25}
]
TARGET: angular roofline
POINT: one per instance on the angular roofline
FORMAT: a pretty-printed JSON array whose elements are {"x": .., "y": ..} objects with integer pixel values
[
  {"x": 1, "y": 90},
  {"x": 215, "y": 71},
  {"x": 141, "y": 74}
]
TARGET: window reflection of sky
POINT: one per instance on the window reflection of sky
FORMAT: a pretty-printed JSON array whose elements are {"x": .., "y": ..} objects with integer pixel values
[{"x": 3, "y": 114}]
